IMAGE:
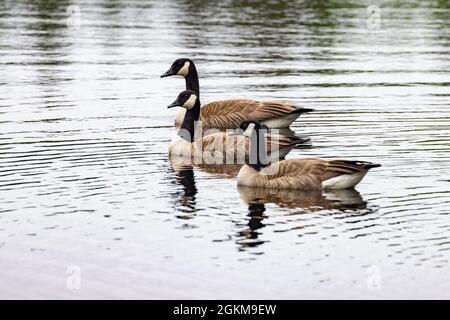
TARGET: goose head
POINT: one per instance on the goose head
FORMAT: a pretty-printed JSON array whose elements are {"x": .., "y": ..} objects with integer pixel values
[
  {"x": 247, "y": 127},
  {"x": 180, "y": 67},
  {"x": 186, "y": 99}
]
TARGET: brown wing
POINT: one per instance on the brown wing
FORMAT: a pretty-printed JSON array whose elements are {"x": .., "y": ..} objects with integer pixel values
[
  {"x": 230, "y": 113},
  {"x": 226, "y": 149},
  {"x": 270, "y": 110},
  {"x": 222, "y": 148},
  {"x": 338, "y": 167},
  {"x": 307, "y": 173}
]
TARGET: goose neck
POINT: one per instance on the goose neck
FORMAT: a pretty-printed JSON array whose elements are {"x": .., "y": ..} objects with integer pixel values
[
  {"x": 258, "y": 154},
  {"x": 188, "y": 126},
  {"x": 192, "y": 82}
]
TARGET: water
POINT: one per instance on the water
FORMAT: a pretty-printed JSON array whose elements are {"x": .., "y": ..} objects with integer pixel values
[{"x": 86, "y": 185}]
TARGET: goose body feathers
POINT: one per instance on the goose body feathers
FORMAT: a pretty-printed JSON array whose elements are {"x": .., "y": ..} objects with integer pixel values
[
  {"x": 306, "y": 174},
  {"x": 228, "y": 114},
  {"x": 221, "y": 148}
]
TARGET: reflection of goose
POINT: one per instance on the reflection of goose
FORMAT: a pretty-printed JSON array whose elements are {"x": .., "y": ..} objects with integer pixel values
[
  {"x": 312, "y": 200},
  {"x": 220, "y": 170},
  {"x": 230, "y": 113},
  {"x": 227, "y": 170},
  {"x": 219, "y": 147},
  {"x": 299, "y": 174},
  {"x": 185, "y": 177},
  {"x": 249, "y": 235}
]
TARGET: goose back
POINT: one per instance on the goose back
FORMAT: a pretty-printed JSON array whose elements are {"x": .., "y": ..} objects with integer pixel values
[{"x": 228, "y": 114}]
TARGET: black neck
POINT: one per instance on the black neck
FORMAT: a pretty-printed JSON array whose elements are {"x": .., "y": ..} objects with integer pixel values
[
  {"x": 187, "y": 129},
  {"x": 258, "y": 154},
  {"x": 192, "y": 80}
]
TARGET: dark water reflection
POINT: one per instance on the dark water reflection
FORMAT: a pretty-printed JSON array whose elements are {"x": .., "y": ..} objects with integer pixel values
[
  {"x": 85, "y": 179},
  {"x": 310, "y": 200},
  {"x": 185, "y": 200}
]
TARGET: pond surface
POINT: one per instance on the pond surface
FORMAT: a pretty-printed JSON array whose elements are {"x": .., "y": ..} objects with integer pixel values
[{"x": 86, "y": 187}]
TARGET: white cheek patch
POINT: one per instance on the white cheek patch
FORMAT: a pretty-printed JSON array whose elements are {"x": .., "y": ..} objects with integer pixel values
[
  {"x": 249, "y": 130},
  {"x": 189, "y": 104},
  {"x": 185, "y": 70}
]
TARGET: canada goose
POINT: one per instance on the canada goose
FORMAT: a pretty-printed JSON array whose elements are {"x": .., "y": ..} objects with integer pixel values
[
  {"x": 218, "y": 147},
  {"x": 228, "y": 114},
  {"x": 303, "y": 174}
]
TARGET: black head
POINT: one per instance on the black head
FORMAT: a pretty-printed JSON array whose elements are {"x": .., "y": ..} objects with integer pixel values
[
  {"x": 186, "y": 99},
  {"x": 180, "y": 67},
  {"x": 246, "y": 127}
]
